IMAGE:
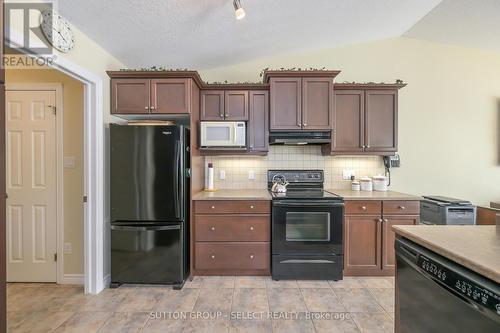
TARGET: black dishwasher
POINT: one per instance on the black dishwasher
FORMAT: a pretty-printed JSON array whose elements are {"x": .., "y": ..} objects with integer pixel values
[{"x": 438, "y": 295}]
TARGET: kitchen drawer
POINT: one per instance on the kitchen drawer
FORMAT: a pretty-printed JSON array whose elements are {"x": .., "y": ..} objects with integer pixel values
[
  {"x": 232, "y": 207},
  {"x": 232, "y": 256},
  {"x": 402, "y": 207},
  {"x": 367, "y": 207},
  {"x": 232, "y": 228}
]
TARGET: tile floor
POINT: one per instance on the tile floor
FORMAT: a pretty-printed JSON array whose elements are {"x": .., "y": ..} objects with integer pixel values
[{"x": 234, "y": 304}]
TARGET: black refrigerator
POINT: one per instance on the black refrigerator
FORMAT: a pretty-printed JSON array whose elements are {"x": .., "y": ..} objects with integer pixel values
[{"x": 149, "y": 171}]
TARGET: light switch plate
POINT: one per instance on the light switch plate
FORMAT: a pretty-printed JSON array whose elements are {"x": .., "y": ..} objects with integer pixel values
[
  {"x": 67, "y": 248},
  {"x": 251, "y": 175},
  {"x": 347, "y": 174},
  {"x": 69, "y": 162},
  {"x": 222, "y": 174}
]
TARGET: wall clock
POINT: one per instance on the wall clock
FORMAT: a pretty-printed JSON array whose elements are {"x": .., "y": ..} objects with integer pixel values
[{"x": 57, "y": 31}]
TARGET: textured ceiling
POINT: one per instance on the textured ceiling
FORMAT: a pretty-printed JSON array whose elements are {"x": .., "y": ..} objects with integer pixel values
[
  {"x": 462, "y": 22},
  {"x": 201, "y": 34}
]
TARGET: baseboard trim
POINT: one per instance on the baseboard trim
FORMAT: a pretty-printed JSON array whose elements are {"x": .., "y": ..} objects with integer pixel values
[
  {"x": 107, "y": 280},
  {"x": 73, "y": 279}
]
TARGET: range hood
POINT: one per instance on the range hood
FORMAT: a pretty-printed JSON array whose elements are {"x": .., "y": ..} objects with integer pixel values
[{"x": 300, "y": 138}]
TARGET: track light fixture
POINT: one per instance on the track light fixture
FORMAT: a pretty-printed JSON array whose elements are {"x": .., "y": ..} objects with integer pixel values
[{"x": 238, "y": 10}]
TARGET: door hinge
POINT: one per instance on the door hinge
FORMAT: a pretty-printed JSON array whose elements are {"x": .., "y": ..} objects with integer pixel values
[
  {"x": 54, "y": 108},
  {"x": 55, "y": 256},
  {"x": 84, "y": 199}
]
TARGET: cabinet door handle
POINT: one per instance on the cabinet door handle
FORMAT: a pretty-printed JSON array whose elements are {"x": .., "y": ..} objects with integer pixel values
[
  {"x": 251, "y": 256},
  {"x": 363, "y": 208},
  {"x": 380, "y": 220},
  {"x": 304, "y": 124},
  {"x": 402, "y": 207},
  {"x": 368, "y": 147},
  {"x": 146, "y": 108},
  {"x": 213, "y": 207},
  {"x": 221, "y": 115},
  {"x": 252, "y": 228},
  {"x": 251, "y": 206},
  {"x": 153, "y": 107},
  {"x": 363, "y": 146},
  {"x": 212, "y": 228},
  {"x": 212, "y": 256}
]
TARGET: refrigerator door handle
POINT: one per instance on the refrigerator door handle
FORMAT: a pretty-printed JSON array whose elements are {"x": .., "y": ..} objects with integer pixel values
[
  {"x": 155, "y": 228},
  {"x": 177, "y": 187}
]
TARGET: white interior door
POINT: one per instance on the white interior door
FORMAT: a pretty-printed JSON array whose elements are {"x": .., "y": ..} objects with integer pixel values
[{"x": 31, "y": 186}]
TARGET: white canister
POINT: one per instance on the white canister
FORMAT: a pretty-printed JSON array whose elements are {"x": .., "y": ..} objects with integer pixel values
[
  {"x": 380, "y": 183},
  {"x": 355, "y": 185},
  {"x": 366, "y": 184},
  {"x": 210, "y": 185}
]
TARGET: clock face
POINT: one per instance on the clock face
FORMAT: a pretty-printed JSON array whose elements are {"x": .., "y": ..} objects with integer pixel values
[{"x": 57, "y": 30}]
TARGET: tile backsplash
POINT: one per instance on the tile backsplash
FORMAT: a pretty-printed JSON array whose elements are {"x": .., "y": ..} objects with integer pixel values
[{"x": 290, "y": 157}]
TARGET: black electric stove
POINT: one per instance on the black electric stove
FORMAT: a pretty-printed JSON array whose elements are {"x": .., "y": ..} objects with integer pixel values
[{"x": 307, "y": 227}]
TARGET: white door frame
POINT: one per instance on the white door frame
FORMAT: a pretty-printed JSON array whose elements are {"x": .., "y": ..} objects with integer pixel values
[
  {"x": 58, "y": 88},
  {"x": 93, "y": 213}
]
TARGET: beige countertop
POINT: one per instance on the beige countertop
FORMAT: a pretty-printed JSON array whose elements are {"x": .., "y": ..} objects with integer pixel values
[
  {"x": 373, "y": 195},
  {"x": 242, "y": 194},
  {"x": 475, "y": 247}
]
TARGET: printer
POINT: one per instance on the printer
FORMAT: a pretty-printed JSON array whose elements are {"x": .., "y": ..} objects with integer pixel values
[{"x": 444, "y": 210}]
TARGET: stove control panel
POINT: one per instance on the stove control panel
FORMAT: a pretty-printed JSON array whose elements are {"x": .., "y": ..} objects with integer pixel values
[{"x": 297, "y": 176}]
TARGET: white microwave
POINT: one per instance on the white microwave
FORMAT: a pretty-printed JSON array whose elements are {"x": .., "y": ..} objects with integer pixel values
[{"x": 223, "y": 134}]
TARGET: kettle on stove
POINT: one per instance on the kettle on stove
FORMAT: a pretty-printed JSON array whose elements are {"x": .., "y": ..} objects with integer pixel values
[{"x": 279, "y": 184}]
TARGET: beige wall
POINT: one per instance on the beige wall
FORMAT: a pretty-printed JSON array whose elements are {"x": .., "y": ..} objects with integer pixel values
[
  {"x": 73, "y": 146},
  {"x": 449, "y": 119}
]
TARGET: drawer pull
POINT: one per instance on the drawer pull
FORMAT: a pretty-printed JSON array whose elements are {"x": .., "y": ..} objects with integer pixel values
[
  {"x": 212, "y": 228},
  {"x": 363, "y": 207},
  {"x": 252, "y": 228},
  {"x": 213, "y": 207},
  {"x": 251, "y": 206},
  {"x": 386, "y": 220},
  {"x": 213, "y": 257},
  {"x": 402, "y": 207},
  {"x": 380, "y": 220},
  {"x": 251, "y": 256}
]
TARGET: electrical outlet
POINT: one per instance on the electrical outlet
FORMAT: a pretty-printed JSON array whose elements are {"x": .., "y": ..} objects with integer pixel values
[
  {"x": 347, "y": 174},
  {"x": 251, "y": 175},
  {"x": 222, "y": 174},
  {"x": 67, "y": 248}
]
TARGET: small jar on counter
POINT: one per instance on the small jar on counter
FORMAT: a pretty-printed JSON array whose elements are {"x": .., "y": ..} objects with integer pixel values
[
  {"x": 366, "y": 184},
  {"x": 355, "y": 186}
]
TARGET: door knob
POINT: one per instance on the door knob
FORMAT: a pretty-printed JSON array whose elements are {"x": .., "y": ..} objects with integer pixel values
[
  {"x": 386, "y": 220},
  {"x": 213, "y": 257},
  {"x": 213, "y": 207},
  {"x": 252, "y": 228},
  {"x": 380, "y": 220},
  {"x": 251, "y": 256},
  {"x": 212, "y": 228},
  {"x": 363, "y": 207}
]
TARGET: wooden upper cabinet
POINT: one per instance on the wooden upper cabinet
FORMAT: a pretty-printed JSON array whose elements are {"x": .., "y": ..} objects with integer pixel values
[
  {"x": 258, "y": 124},
  {"x": 129, "y": 96},
  {"x": 388, "y": 238},
  {"x": 170, "y": 96},
  {"x": 362, "y": 245},
  {"x": 212, "y": 105},
  {"x": 348, "y": 120},
  {"x": 236, "y": 105},
  {"x": 381, "y": 120},
  {"x": 286, "y": 103},
  {"x": 317, "y": 94}
]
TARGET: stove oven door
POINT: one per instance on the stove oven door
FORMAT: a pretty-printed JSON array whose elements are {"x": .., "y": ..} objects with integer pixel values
[{"x": 307, "y": 227}]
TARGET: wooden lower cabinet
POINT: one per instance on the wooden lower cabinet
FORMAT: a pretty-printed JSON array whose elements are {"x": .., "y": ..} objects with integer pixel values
[
  {"x": 232, "y": 237},
  {"x": 388, "y": 238},
  {"x": 368, "y": 238},
  {"x": 235, "y": 256},
  {"x": 362, "y": 244}
]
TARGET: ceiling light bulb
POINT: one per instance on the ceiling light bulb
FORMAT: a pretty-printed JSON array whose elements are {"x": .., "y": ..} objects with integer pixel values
[{"x": 238, "y": 10}]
